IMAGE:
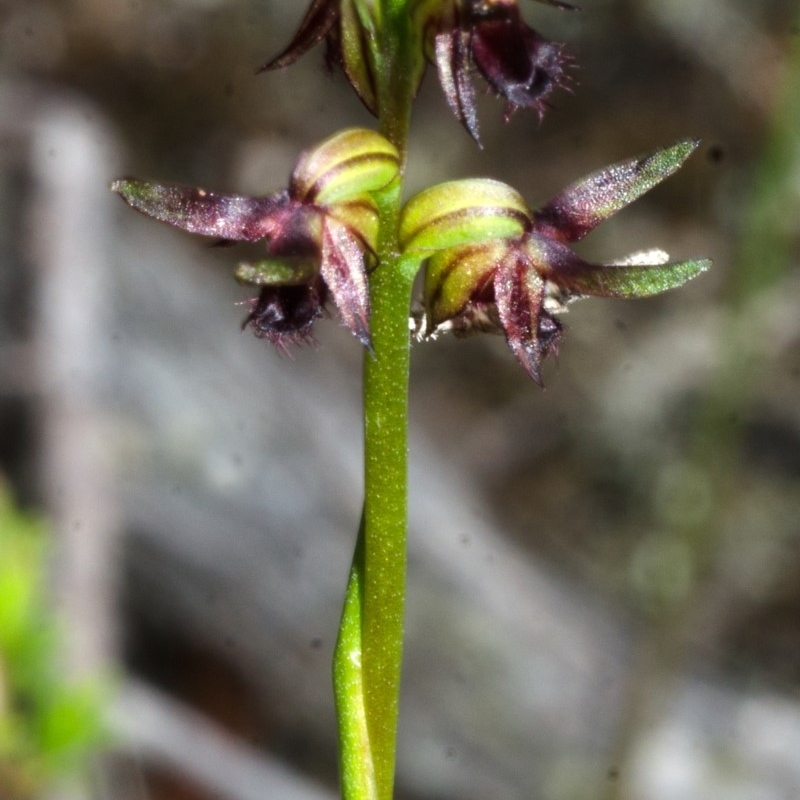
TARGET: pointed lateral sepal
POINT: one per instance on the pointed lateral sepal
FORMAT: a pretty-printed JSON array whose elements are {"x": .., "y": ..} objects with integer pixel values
[
  {"x": 519, "y": 293},
  {"x": 452, "y": 53},
  {"x": 456, "y": 275},
  {"x": 345, "y": 275},
  {"x": 580, "y": 208},
  {"x": 347, "y": 165},
  {"x": 226, "y": 216},
  {"x": 630, "y": 279},
  {"x": 316, "y": 25},
  {"x": 461, "y": 212},
  {"x": 646, "y": 280}
]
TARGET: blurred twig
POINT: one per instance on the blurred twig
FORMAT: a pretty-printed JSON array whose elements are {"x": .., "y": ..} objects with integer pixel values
[{"x": 170, "y": 734}]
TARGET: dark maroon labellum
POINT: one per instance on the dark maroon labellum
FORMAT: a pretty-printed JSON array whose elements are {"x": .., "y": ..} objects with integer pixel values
[
  {"x": 284, "y": 315},
  {"x": 518, "y": 63},
  {"x": 549, "y": 334}
]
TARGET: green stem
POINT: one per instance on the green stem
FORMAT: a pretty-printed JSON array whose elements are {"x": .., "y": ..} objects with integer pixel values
[
  {"x": 369, "y": 650},
  {"x": 368, "y": 655}
]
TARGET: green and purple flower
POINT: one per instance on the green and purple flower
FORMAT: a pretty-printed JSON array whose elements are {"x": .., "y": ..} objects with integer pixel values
[
  {"x": 458, "y": 36},
  {"x": 319, "y": 233},
  {"x": 493, "y": 265}
]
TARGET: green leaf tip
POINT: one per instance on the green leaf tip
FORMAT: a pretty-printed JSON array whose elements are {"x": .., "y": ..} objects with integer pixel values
[{"x": 636, "y": 280}]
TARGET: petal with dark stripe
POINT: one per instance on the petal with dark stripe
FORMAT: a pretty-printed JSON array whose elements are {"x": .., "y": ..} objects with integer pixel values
[
  {"x": 461, "y": 212},
  {"x": 455, "y": 277}
]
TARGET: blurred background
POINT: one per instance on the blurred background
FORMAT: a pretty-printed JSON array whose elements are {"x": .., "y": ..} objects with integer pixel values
[{"x": 604, "y": 581}]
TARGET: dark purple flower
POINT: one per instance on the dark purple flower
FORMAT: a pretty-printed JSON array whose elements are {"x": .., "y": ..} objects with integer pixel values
[
  {"x": 284, "y": 315},
  {"x": 516, "y": 62}
]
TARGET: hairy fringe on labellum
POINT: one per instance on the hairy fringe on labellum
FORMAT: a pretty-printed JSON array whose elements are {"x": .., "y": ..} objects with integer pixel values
[
  {"x": 516, "y": 62},
  {"x": 285, "y": 315}
]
